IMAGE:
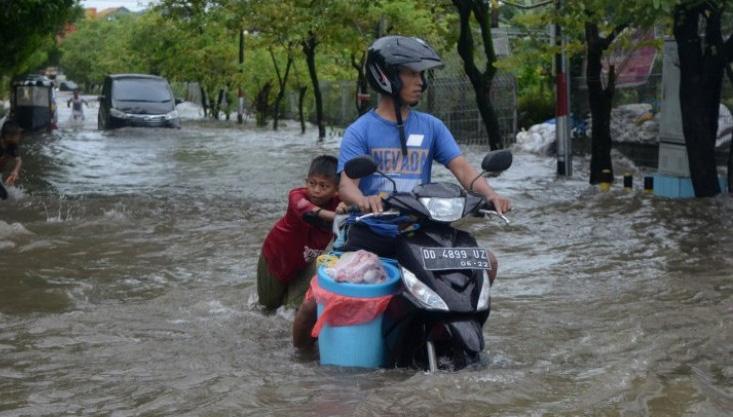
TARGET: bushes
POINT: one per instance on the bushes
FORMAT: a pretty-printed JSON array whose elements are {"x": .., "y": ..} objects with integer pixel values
[{"x": 535, "y": 105}]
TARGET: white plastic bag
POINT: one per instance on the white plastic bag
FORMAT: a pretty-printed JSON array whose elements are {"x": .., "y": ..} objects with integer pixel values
[{"x": 358, "y": 267}]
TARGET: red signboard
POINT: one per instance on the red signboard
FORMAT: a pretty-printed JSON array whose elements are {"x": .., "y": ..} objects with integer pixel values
[{"x": 633, "y": 68}]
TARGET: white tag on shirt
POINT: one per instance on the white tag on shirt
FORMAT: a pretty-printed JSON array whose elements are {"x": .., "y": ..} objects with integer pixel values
[{"x": 415, "y": 140}]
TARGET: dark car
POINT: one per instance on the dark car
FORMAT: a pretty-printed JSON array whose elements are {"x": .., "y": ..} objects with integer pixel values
[{"x": 136, "y": 100}]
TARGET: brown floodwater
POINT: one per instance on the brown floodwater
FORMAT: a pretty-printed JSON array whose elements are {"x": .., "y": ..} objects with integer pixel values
[{"x": 127, "y": 270}]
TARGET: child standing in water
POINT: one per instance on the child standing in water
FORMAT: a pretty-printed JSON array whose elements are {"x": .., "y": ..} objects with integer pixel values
[
  {"x": 9, "y": 141},
  {"x": 287, "y": 261},
  {"x": 77, "y": 111}
]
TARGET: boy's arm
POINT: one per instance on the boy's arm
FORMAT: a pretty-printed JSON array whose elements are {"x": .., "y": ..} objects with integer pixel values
[
  {"x": 306, "y": 210},
  {"x": 329, "y": 215},
  {"x": 15, "y": 173}
]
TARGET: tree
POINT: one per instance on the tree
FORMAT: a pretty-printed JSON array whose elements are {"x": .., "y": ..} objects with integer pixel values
[
  {"x": 599, "y": 28},
  {"x": 294, "y": 22},
  {"x": 306, "y": 23},
  {"x": 481, "y": 80},
  {"x": 600, "y": 98},
  {"x": 729, "y": 71},
  {"x": 101, "y": 47},
  {"x": 605, "y": 25},
  {"x": 702, "y": 62},
  {"x": 366, "y": 20},
  {"x": 282, "y": 80},
  {"x": 29, "y": 26},
  {"x": 204, "y": 51}
]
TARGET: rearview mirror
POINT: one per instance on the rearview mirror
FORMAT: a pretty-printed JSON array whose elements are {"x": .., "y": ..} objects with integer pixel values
[
  {"x": 494, "y": 162},
  {"x": 178, "y": 101},
  {"x": 360, "y": 167},
  {"x": 497, "y": 161}
]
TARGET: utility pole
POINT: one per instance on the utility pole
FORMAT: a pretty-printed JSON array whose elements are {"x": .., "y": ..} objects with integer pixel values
[
  {"x": 562, "y": 104},
  {"x": 562, "y": 90}
]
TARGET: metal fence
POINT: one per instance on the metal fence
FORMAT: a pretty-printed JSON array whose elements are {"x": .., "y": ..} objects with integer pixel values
[
  {"x": 650, "y": 93},
  {"x": 454, "y": 102},
  {"x": 451, "y": 99}
]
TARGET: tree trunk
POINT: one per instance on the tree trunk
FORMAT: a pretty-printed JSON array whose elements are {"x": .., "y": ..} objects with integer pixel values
[
  {"x": 309, "y": 48},
  {"x": 481, "y": 81},
  {"x": 219, "y": 102},
  {"x": 301, "y": 99},
  {"x": 730, "y": 165},
  {"x": 204, "y": 102},
  {"x": 729, "y": 71},
  {"x": 213, "y": 106},
  {"x": 701, "y": 76},
  {"x": 240, "y": 110},
  {"x": 262, "y": 104},
  {"x": 282, "y": 81},
  {"x": 600, "y": 100},
  {"x": 494, "y": 17}
]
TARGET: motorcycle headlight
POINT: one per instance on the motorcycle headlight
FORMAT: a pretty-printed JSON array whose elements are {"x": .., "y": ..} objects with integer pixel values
[
  {"x": 422, "y": 293},
  {"x": 118, "y": 114},
  {"x": 171, "y": 115},
  {"x": 485, "y": 294},
  {"x": 444, "y": 209}
]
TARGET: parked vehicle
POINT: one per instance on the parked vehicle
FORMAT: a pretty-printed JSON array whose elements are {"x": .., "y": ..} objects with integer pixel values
[
  {"x": 67, "y": 85},
  {"x": 439, "y": 315},
  {"x": 33, "y": 103},
  {"x": 136, "y": 100}
]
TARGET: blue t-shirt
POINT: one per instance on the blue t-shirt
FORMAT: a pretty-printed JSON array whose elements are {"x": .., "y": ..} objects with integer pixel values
[{"x": 427, "y": 138}]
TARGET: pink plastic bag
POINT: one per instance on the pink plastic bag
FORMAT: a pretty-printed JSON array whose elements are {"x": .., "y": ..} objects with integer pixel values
[{"x": 358, "y": 267}]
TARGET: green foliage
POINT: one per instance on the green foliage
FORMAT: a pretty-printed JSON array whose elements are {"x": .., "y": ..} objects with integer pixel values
[
  {"x": 27, "y": 31},
  {"x": 536, "y": 99},
  {"x": 198, "y": 40},
  {"x": 97, "y": 48},
  {"x": 535, "y": 106},
  {"x": 531, "y": 61}
]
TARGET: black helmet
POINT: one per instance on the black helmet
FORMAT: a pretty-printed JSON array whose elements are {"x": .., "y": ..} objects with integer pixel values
[{"x": 387, "y": 54}]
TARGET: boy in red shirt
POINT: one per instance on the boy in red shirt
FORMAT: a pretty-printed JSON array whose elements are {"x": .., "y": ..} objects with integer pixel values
[{"x": 287, "y": 261}]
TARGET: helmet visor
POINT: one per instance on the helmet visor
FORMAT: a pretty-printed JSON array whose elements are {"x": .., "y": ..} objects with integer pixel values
[{"x": 423, "y": 65}]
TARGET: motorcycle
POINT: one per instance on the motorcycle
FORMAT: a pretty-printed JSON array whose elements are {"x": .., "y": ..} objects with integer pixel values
[{"x": 437, "y": 320}]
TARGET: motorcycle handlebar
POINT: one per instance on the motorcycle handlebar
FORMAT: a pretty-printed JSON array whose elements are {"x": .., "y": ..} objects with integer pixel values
[
  {"x": 382, "y": 214},
  {"x": 486, "y": 209}
]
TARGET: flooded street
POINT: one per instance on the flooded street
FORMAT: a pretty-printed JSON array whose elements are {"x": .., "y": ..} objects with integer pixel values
[{"x": 127, "y": 271}]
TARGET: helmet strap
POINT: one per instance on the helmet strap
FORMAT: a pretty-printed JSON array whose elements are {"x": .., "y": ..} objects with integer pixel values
[{"x": 400, "y": 124}]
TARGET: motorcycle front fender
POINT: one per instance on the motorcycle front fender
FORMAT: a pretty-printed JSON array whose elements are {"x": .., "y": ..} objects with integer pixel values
[{"x": 469, "y": 333}]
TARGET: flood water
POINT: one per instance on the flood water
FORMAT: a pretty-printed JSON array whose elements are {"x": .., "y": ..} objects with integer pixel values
[{"x": 127, "y": 270}]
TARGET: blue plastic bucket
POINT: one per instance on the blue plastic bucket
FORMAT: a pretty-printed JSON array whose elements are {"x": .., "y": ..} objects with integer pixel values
[{"x": 360, "y": 345}]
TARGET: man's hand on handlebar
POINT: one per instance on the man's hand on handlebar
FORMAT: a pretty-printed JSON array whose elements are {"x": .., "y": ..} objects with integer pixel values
[
  {"x": 501, "y": 204},
  {"x": 370, "y": 204}
]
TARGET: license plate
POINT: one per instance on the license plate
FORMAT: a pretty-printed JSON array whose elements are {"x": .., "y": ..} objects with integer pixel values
[{"x": 437, "y": 259}]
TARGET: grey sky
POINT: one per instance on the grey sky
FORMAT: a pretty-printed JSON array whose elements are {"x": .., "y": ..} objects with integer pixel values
[{"x": 133, "y": 5}]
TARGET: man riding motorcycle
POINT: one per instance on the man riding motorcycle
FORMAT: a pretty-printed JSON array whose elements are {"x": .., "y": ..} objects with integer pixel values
[{"x": 404, "y": 143}]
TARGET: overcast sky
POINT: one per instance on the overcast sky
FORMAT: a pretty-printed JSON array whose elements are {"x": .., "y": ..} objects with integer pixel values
[{"x": 133, "y": 5}]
